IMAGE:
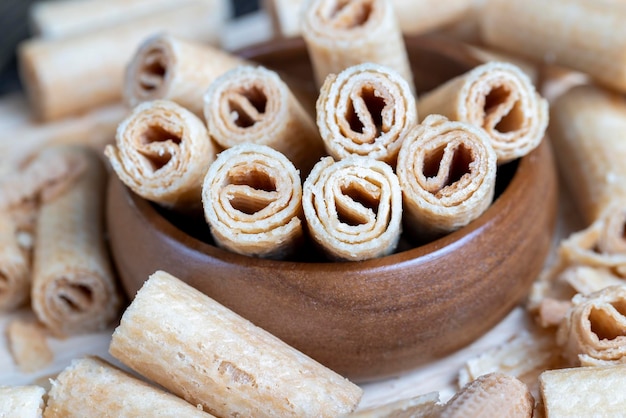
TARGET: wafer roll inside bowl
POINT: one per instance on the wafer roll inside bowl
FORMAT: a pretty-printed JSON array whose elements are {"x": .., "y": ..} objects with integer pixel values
[{"x": 367, "y": 319}]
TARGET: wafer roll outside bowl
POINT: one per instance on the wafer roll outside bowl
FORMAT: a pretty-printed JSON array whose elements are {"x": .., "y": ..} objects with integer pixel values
[
  {"x": 253, "y": 104},
  {"x": 74, "y": 289},
  {"x": 366, "y": 109},
  {"x": 252, "y": 198},
  {"x": 14, "y": 265},
  {"x": 500, "y": 98},
  {"x": 174, "y": 68},
  {"x": 447, "y": 173},
  {"x": 353, "y": 208},
  {"x": 342, "y": 33},
  {"x": 162, "y": 152}
]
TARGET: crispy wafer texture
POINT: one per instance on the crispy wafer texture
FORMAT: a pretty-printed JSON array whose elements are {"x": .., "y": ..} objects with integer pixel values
[
  {"x": 422, "y": 406},
  {"x": 22, "y": 401}
]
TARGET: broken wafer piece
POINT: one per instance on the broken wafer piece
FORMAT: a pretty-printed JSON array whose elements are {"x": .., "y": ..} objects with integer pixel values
[
  {"x": 22, "y": 401},
  {"x": 342, "y": 33},
  {"x": 252, "y": 199},
  {"x": 207, "y": 354},
  {"x": 95, "y": 388},
  {"x": 366, "y": 109},
  {"x": 253, "y": 104},
  {"x": 162, "y": 152},
  {"x": 421, "y": 406},
  {"x": 447, "y": 173},
  {"x": 28, "y": 344},
  {"x": 74, "y": 289},
  {"x": 174, "y": 68},
  {"x": 353, "y": 207},
  {"x": 500, "y": 98}
]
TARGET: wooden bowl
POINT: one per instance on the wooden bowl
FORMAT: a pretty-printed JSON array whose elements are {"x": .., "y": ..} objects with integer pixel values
[{"x": 370, "y": 319}]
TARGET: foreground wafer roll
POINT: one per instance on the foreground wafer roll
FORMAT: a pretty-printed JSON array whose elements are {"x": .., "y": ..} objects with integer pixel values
[
  {"x": 584, "y": 35},
  {"x": 162, "y": 152},
  {"x": 73, "y": 285},
  {"x": 69, "y": 76},
  {"x": 594, "y": 330},
  {"x": 22, "y": 401},
  {"x": 340, "y": 34},
  {"x": 447, "y": 173},
  {"x": 92, "y": 387},
  {"x": 174, "y": 68},
  {"x": 200, "y": 350},
  {"x": 252, "y": 198},
  {"x": 367, "y": 109},
  {"x": 14, "y": 265},
  {"x": 252, "y": 104},
  {"x": 498, "y": 97},
  {"x": 353, "y": 207}
]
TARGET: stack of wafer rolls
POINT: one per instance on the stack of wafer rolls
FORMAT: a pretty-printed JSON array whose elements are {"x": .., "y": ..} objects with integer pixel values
[
  {"x": 447, "y": 173},
  {"x": 252, "y": 198},
  {"x": 74, "y": 289},
  {"x": 207, "y": 354},
  {"x": 498, "y": 97},
  {"x": 353, "y": 208},
  {"x": 340, "y": 34},
  {"x": 253, "y": 104},
  {"x": 93, "y": 387},
  {"x": 173, "y": 68},
  {"x": 588, "y": 36},
  {"x": 162, "y": 152},
  {"x": 367, "y": 109}
]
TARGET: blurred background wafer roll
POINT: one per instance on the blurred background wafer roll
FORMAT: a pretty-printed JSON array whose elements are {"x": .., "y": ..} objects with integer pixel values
[
  {"x": 500, "y": 98},
  {"x": 447, "y": 173},
  {"x": 252, "y": 198},
  {"x": 162, "y": 152},
  {"x": 353, "y": 208},
  {"x": 174, "y": 68},
  {"x": 74, "y": 289},
  {"x": 14, "y": 265},
  {"x": 343, "y": 33},
  {"x": 366, "y": 109},
  {"x": 254, "y": 105},
  {"x": 209, "y": 355},
  {"x": 585, "y": 35}
]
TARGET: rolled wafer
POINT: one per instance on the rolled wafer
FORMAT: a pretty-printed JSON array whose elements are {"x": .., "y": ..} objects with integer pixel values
[
  {"x": 366, "y": 109},
  {"x": 93, "y": 387},
  {"x": 22, "y": 401},
  {"x": 594, "y": 330},
  {"x": 210, "y": 356},
  {"x": 253, "y": 104},
  {"x": 14, "y": 266},
  {"x": 64, "y": 77},
  {"x": 173, "y": 68},
  {"x": 252, "y": 199},
  {"x": 73, "y": 285},
  {"x": 353, "y": 207},
  {"x": 500, "y": 98},
  {"x": 162, "y": 152},
  {"x": 447, "y": 173},
  {"x": 584, "y": 35},
  {"x": 342, "y": 33}
]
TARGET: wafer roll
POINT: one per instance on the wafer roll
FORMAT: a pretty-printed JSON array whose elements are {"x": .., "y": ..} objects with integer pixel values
[
  {"x": 92, "y": 387},
  {"x": 498, "y": 97},
  {"x": 368, "y": 110},
  {"x": 353, "y": 208},
  {"x": 447, "y": 173},
  {"x": 340, "y": 34},
  {"x": 584, "y": 35},
  {"x": 22, "y": 401},
  {"x": 177, "y": 69},
  {"x": 162, "y": 152},
  {"x": 64, "y": 77},
  {"x": 252, "y": 104},
  {"x": 421, "y": 16},
  {"x": 200, "y": 350},
  {"x": 252, "y": 198},
  {"x": 74, "y": 289},
  {"x": 593, "y": 332},
  {"x": 14, "y": 266}
]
